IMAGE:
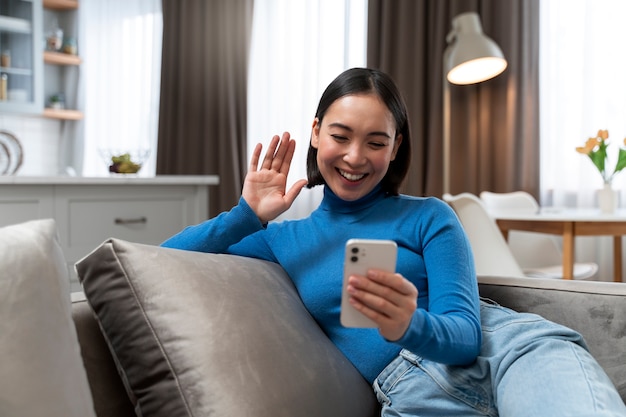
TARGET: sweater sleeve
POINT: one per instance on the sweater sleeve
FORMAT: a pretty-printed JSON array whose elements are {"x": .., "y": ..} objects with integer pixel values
[
  {"x": 447, "y": 330},
  {"x": 217, "y": 235}
]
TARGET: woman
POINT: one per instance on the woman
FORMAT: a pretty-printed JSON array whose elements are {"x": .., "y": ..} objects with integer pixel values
[{"x": 431, "y": 354}]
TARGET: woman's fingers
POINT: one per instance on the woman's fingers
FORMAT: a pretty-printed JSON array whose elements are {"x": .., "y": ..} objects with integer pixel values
[
  {"x": 391, "y": 287},
  {"x": 388, "y": 299},
  {"x": 288, "y": 157},
  {"x": 294, "y": 191},
  {"x": 278, "y": 156},
  {"x": 284, "y": 155},
  {"x": 388, "y": 294},
  {"x": 269, "y": 155},
  {"x": 254, "y": 161}
]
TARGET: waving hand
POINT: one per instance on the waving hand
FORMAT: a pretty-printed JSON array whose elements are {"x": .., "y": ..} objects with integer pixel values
[{"x": 265, "y": 187}]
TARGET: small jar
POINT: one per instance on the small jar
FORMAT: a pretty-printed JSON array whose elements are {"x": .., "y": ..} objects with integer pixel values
[
  {"x": 69, "y": 46},
  {"x": 54, "y": 39},
  {"x": 5, "y": 59}
]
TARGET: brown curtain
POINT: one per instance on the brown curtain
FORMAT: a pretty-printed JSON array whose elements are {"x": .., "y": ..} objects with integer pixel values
[
  {"x": 494, "y": 124},
  {"x": 202, "y": 116}
]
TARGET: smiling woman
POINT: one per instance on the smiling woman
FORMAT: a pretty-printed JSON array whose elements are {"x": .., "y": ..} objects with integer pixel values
[
  {"x": 433, "y": 335},
  {"x": 121, "y": 46}
]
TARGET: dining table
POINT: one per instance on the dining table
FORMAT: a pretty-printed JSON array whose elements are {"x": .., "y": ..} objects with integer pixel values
[{"x": 568, "y": 223}]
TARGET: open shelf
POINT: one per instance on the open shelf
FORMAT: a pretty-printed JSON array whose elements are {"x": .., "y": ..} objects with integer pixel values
[
  {"x": 63, "y": 114},
  {"x": 60, "y": 4},
  {"x": 62, "y": 9},
  {"x": 59, "y": 58}
]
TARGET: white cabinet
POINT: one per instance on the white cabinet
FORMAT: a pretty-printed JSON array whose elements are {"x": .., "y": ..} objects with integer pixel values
[
  {"x": 20, "y": 204},
  {"x": 20, "y": 69},
  {"x": 30, "y": 75},
  {"x": 90, "y": 210}
]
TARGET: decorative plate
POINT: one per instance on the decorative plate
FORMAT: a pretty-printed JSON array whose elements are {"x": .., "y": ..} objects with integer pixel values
[{"x": 10, "y": 153}]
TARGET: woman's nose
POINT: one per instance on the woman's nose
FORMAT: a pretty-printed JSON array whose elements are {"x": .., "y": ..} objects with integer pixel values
[{"x": 354, "y": 155}]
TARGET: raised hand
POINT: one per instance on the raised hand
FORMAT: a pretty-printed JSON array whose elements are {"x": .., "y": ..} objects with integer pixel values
[{"x": 265, "y": 187}]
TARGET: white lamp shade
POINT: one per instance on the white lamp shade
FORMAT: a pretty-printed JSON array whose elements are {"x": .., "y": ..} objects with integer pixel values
[{"x": 472, "y": 57}]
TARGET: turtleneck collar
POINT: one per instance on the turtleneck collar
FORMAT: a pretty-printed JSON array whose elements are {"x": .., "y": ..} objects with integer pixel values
[{"x": 331, "y": 202}]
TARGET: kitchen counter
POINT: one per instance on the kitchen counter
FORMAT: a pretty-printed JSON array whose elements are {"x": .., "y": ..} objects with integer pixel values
[{"x": 113, "y": 180}]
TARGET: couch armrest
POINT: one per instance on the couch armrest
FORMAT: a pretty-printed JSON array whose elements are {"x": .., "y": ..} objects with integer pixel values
[
  {"x": 595, "y": 309},
  {"x": 109, "y": 396}
]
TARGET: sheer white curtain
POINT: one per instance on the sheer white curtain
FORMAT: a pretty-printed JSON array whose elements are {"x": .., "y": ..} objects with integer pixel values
[
  {"x": 298, "y": 47},
  {"x": 582, "y": 90},
  {"x": 120, "y": 43}
]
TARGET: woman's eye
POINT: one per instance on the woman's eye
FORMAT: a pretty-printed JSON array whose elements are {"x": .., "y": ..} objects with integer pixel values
[
  {"x": 339, "y": 138},
  {"x": 377, "y": 145}
]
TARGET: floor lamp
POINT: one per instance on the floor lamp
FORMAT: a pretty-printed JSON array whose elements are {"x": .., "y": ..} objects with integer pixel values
[{"x": 471, "y": 57}]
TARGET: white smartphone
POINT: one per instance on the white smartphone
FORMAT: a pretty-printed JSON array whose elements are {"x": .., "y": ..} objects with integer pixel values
[{"x": 360, "y": 256}]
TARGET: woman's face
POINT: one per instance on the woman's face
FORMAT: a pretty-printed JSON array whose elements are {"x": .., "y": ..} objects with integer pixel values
[{"x": 355, "y": 143}]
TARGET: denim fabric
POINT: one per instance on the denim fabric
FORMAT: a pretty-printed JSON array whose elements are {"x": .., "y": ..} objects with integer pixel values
[{"x": 527, "y": 367}]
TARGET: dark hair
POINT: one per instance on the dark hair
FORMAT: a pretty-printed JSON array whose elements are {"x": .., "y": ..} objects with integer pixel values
[{"x": 367, "y": 81}]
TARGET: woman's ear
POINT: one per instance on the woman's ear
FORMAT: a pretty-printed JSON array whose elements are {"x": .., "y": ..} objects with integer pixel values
[
  {"x": 396, "y": 146},
  {"x": 315, "y": 133}
]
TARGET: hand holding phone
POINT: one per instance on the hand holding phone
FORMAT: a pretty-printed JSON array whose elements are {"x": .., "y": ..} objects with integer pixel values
[{"x": 360, "y": 256}]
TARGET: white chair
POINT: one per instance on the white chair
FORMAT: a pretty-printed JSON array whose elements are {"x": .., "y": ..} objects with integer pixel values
[
  {"x": 538, "y": 254},
  {"x": 492, "y": 255}
]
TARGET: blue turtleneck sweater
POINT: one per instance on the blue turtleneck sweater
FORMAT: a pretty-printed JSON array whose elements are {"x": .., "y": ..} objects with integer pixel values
[{"x": 433, "y": 253}]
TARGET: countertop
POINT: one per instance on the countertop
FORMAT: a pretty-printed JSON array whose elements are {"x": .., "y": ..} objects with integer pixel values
[{"x": 112, "y": 180}]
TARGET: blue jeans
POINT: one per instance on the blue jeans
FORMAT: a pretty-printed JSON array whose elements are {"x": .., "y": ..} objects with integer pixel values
[{"x": 528, "y": 366}]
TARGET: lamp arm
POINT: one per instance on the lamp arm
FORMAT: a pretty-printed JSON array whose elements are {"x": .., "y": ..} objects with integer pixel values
[{"x": 446, "y": 135}]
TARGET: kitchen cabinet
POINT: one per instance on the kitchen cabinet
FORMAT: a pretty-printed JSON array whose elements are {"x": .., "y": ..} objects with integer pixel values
[
  {"x": 21, "y": 82},
  {"x": 88, "y": 211}
]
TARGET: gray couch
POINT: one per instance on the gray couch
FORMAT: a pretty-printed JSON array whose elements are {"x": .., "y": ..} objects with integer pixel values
[
  {"x": 294, "y": 370},
  {"x": 196, "y": 334}
]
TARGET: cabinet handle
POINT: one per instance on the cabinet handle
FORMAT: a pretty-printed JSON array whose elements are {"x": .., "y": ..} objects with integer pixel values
[{"x": 131, "y": 221}]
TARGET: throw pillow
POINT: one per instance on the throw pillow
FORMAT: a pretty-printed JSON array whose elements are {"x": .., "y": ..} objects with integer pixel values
[
  {"x": 42, "y": 372},
  {"x": 216, "y": 335}
]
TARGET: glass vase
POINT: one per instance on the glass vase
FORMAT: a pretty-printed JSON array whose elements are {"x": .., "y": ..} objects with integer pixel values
[{"x": 607, "y": 199}]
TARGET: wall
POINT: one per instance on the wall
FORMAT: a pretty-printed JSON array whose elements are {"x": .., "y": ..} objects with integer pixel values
[{"x": 40, "y": 140}]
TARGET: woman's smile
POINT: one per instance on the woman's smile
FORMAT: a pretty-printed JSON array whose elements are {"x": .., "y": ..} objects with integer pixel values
[
  {"x": 351, "y": 177},
  {"x": 355, "y": 142}
]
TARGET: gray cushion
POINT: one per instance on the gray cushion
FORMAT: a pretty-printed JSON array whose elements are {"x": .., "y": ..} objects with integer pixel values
[
  {"x": 216, "y": 335},
  {"x": 42, "y": 372},
  {"x": 595, "y": 309}
]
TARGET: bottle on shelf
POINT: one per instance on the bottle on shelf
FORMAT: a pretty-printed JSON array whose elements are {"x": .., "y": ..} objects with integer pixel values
[{"x": 4, "y": 81}]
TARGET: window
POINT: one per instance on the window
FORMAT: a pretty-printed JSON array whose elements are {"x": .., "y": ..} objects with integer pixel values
[
  {"x": 120, "y": 80},
  {"x": 583, "y": 89}
]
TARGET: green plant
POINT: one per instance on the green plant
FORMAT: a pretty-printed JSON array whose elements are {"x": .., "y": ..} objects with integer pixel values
[
  {"x": 122, "y": 164},
  {"x": 596, "y": 149}
]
